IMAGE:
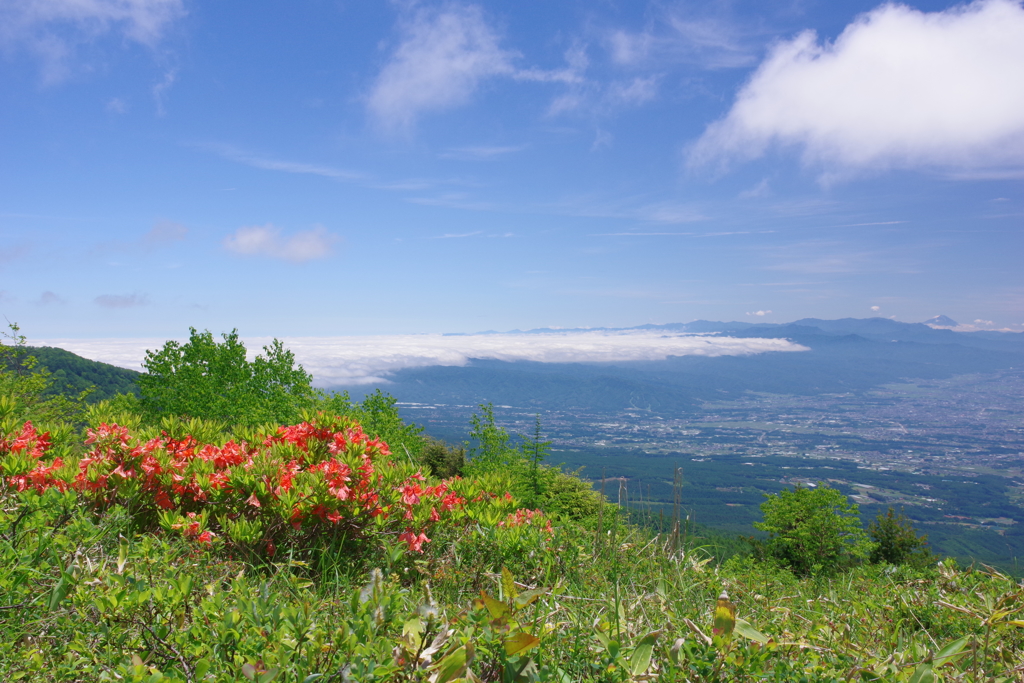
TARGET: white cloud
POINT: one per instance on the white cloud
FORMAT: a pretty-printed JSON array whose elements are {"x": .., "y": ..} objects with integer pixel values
[
  {"x": 121, "y": 301},
  {"x": 760, "y": 313},
  {"x": 443, "y": 55},
  {"x": 347, "y": 361},
  {"x": 875, "y": 308},
  {"x": 266, "y": 240},
  {"x": 53, "y": 28},
  {"x": 898, "y": 88}
]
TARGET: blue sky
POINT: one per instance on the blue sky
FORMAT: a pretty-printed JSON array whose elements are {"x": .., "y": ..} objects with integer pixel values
[{"x": 350, "y": 168}]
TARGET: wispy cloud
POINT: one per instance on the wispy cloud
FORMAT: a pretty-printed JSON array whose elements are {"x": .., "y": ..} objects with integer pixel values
[
  {"x": 448, "y": 236},
  {"x": 14, "y": 252},
  {"x": 836, "y": 257},
  {"x": 348, "y": 361},
  {"x": 164, "y": 232},
  {"x": 480, "y": 153},
  {"x": 633, "y": 208},
  {"x": 285, "y": 166},
  {"x": 49, "y": 298},
  {"x": 160, "y": 89},
  {"x": 53, "y": 29},
  {"x": 711, "y": 40},
  {"x": 268, "y": 241},
  {"x": 899, "y": 88},
  {"x": 121, "y": 300}
]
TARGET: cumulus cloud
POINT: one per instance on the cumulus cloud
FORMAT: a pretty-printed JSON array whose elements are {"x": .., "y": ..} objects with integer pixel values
[
  {"x": 51, "y": 29},
  {"x": 899, "y": 88},
  {"x": 349, "y": 361},
  {"x": 874, "y": 308},
  {"x": 267, "y": 240},
  {"x": 442, "y": 57},
  {"x": 760, "y": 313},
  {"x": 121, "y": 301}
]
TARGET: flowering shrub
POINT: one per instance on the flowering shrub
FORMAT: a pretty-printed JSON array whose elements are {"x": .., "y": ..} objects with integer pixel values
[
  {"x": 321, "y": 479},
  {"x": 522, "y": 517}
]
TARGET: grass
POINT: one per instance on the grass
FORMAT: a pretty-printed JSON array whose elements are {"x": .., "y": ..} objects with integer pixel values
[
  {"x": 101, "y": 594},
  {"x": 86, "y": 599}
]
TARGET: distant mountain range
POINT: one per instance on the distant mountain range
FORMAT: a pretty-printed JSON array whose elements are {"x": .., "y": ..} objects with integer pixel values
[{"x": 847, "y": 355}]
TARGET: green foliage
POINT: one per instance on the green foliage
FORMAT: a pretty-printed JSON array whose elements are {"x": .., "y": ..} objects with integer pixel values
[
  {"x": 213, "y": 380},
  {"x": 498, "y": 594},
  {"x": 535, "y": 451},
  {"x": 492, "y": 450},
  {"x": 564, "y": 494},
  {"x": 812, "y": 531},
  {"x": 443, "y": 460},
  {"x": 71, "y": 374},
  {"x": 896, "y": 541},
  {"x": 27, "y": 390},
  {"x": 378, "y": 414}
]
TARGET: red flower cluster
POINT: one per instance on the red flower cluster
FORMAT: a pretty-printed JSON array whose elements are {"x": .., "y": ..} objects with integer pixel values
[
  {"x": 522, "y": 516},
  {"x": 305, "y": 475},
  {"x": 310, "y": 478}
]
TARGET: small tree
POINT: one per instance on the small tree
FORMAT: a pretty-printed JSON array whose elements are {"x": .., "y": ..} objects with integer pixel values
[
  {"x": 812, "y": 531},
  {"x": 535, "y": 451},
  {"x": 214, "y": 381},
  {"x": 897, "y": 541},
  {"x": 443, "y": 460},
  {"x": 492, "y": 450},
  {"x": 27, "y": 390}
]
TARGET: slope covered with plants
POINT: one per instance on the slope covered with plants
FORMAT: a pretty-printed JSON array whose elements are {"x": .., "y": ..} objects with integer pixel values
[{"x": 145, "y": 545}]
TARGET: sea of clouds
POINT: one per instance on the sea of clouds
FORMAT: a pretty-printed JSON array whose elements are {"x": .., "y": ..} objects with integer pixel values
[{"x": 353, "y": 361}]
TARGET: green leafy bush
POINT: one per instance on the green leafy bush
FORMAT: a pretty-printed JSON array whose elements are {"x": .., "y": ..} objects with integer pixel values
[
  {"x": 812, "y": 530},
  {"x": 442, "y": 459},
  {"x": 896, "y": 541},
  {"x": 213, "y": 380}
]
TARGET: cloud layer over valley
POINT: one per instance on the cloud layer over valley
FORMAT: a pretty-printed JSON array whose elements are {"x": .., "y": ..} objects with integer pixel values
[{"x": 352, "y": 361}]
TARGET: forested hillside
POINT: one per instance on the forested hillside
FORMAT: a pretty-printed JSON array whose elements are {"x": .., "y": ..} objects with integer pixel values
[{"x": 71, "y": 374}]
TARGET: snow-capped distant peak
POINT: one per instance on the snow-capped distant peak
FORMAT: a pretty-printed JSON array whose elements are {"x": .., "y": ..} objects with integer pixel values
[{"x": 941, "y": 322}]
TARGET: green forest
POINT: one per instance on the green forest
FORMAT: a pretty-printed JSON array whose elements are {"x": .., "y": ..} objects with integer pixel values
[{"x": 220, "y": 519}]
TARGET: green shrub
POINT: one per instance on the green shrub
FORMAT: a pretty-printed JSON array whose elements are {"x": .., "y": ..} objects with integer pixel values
[
  {"x": 443, "y": 460},
  {"x": 812, "y": 531},
  {"x": 897, "y": 542}
]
